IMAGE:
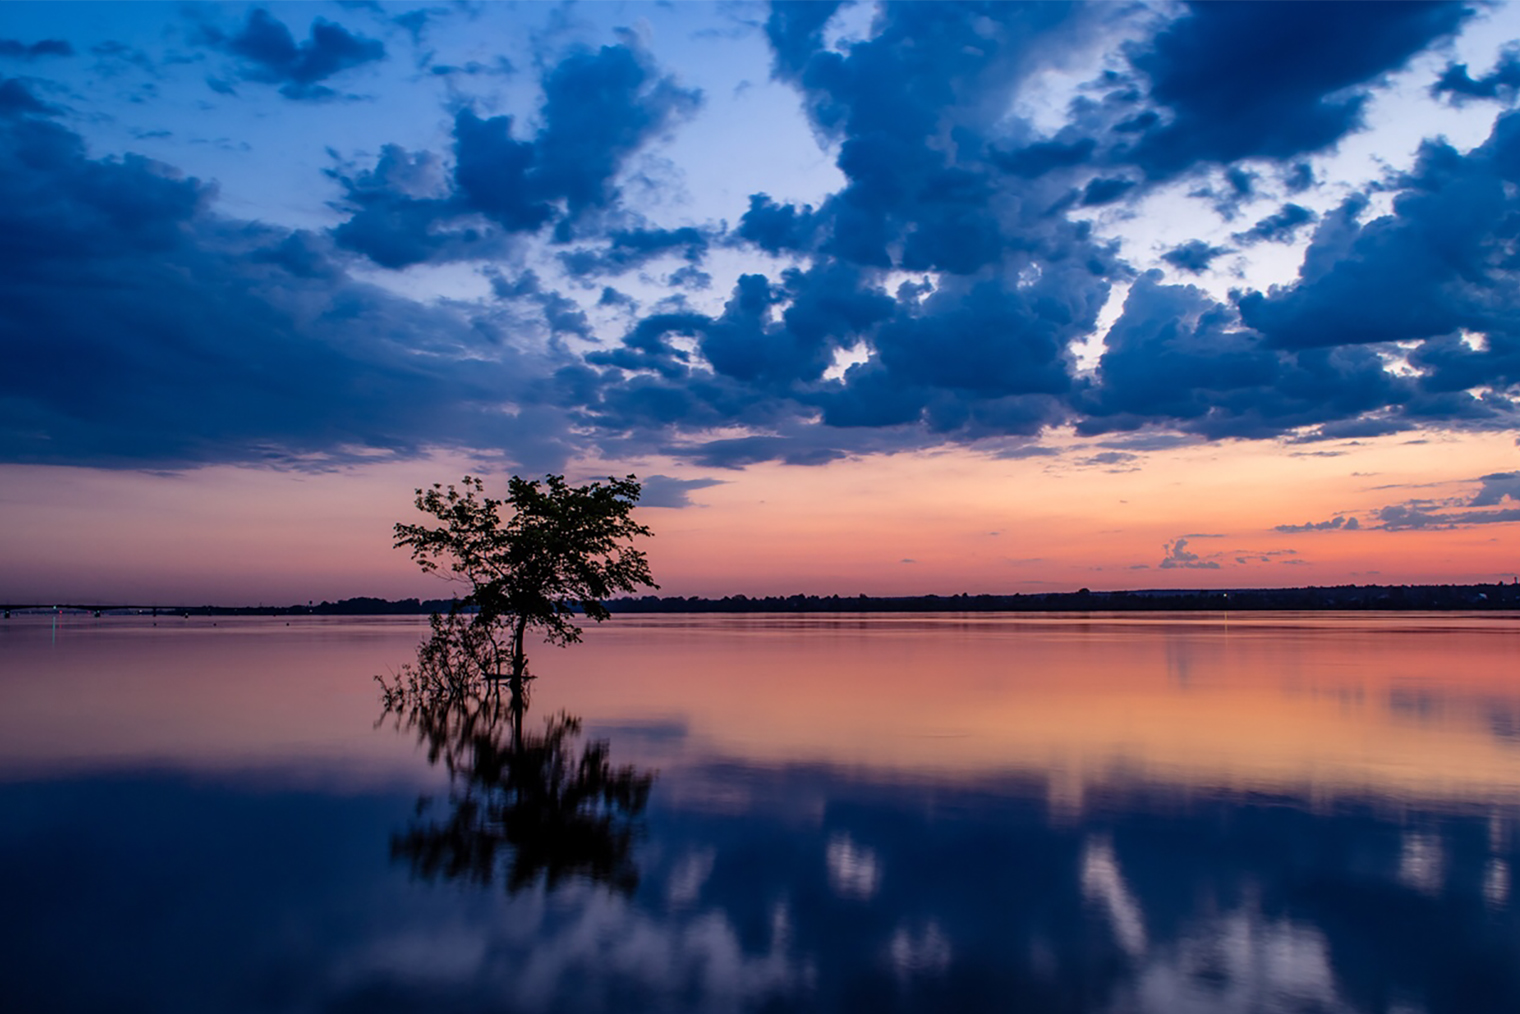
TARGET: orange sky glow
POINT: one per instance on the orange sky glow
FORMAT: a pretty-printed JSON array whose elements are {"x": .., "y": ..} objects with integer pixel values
[{"x": 936, "y": 521}]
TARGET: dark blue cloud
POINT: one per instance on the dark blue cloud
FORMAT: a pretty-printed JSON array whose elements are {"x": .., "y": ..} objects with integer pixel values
[
  {"x": 665, "y": 491},
  {"x": 778, "y": 227},
  {"x": 984, "y": 339},
  {"x": 1438, "y": 265},
  {"x": 1035, "y": 160},
  {"x": 971, "y": 355},
  {"x": 138, "y": 328},
  {"x": 743, "y": 345},
  {"x": 15, "y": 49},
  {"x": 16, "y": 99},
  {"x": 561, "y": 315},
  {"x": 929, "y": 69},
  {"x": 1175, "y": 356},
  {"x": 500, "y": 67},
  {"x": 599, "y": 108},
  {"x": 612, "y": 297},
  {"x": 1500, "y": 83},
  {"x": 795, "y": 29},
  {"x": 1279, "y": 227},
  {"x": 1194, "y": 256},
  {"x": 395, "y": 221},
  {"x": 740, "y": 451},
  {"x": 947, "y": 267},
  {"x": 1105, "y": 190},
  {"x": 270, "y": 53},
  {"x": 491, "y": 173},
  {"x": 1271, "y": 80},
  {"x": 1298, "y": 177},
  {"x": 752, "y": 343},
  {"x": 631, "y": 248}
]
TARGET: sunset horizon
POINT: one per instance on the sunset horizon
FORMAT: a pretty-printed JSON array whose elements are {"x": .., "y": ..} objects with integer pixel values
[{"x": 884, "y": 299}]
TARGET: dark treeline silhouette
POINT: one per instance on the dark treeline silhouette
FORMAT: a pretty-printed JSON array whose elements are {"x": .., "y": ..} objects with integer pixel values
[
  {"x": 1368, "y": 596},
  {"x": 362, "y": 605},
  {"x": 1410, "y": 597}
]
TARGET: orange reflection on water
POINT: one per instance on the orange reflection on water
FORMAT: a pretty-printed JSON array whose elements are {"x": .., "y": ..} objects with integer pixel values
[
  {"x": 201, "y": 695},
  {"x": 1407, "y": 706}
]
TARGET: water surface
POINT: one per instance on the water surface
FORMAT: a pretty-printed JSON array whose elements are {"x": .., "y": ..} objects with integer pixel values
[{"x": 1270, "y": 812}]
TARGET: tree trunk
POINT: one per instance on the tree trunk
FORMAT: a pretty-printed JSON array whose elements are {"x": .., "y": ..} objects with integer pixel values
[{"x": 519, "y": 659}]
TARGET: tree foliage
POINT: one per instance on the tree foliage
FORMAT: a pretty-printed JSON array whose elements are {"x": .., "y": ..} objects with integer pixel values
[{"x": 541, "y": 557}]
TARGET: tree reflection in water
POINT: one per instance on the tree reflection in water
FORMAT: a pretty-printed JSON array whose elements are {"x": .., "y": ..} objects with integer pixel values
[{"x": 530, "y": 803}]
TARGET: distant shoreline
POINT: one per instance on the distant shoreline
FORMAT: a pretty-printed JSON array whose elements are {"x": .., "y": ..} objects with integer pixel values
[{"x": 1394, "y": 598}]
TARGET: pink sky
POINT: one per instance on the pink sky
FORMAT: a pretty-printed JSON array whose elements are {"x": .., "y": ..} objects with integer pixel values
[{"x": 966, "y": 521}]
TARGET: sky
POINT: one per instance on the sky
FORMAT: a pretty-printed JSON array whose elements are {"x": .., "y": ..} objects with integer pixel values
[{"x": 881, "y": 298}]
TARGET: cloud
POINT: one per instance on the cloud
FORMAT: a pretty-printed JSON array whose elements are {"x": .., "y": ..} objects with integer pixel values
[
  {"x": 1431, "y": 272},
  {"x": 270, "y": 54},
  {"x": 1106, "y": 190},
  {"x": 1493, "y": 491},
  {"x": 1034, "y": 160},
  {"x": 963, "y": 355},
  {"x": 1500, "y": 83},
  {"x": 1022, "y": 451},
  {"x": 1178, "y": 555},
  {"x": 1349, "y": 524},
  {"x": 1406, "y": 517},
  {"x": 1280, "y": 227},
  {"x": 940, "y": 294},
  {"x": 1176, "y": 354},
  {"x": 975, "y": 353},
  {"x": 141, "y": 329},
  {"x": 561, "y": 315},
  {"x": 1155, "y": 441},
  {"x": 1193, "y": 256},
  {"x": 15, "y": 49},
  {"x": 599, "y": 108},
  {"x": 1249, "y": 556},
  {"x": 631, "y": 248},
  {"x": 776, "y": 227},
  {"x": 395, "y": 211},
  {"x": 1421, "y": 273},
  {"x": 1242, "y": 80},
  {"x": 16, "y": 99},
  {"x": 665, "y": 491},
  {"x": 1497, "y": 488},
  {"x": 1111, "y": 461}
]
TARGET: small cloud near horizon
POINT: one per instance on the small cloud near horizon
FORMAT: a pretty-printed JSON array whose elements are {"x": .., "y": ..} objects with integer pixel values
[
  {"x": 1178, "y": 555},
  {"x": 666, "y": 491}
]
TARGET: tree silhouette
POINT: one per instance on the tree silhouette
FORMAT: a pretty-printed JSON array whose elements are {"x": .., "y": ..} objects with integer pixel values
[{"x": 548, "y": 551}]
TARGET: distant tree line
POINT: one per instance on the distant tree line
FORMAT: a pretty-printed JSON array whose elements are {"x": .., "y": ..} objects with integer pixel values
[
  {"x": 1396, "y": 597},
  {"x": 1349, "y": 597}
]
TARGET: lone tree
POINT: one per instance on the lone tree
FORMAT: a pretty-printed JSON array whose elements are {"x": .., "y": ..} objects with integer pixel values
[{"x": 535, "y": 559}]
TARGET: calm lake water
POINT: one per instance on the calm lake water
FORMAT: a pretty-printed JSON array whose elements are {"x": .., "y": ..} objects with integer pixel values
[{"x": 888, "y": 813}]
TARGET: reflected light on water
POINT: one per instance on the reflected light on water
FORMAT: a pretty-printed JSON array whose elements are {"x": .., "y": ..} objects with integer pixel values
[
  {"x": 1270, "y": 813},
  {"x": 1402, "y": 706}
]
